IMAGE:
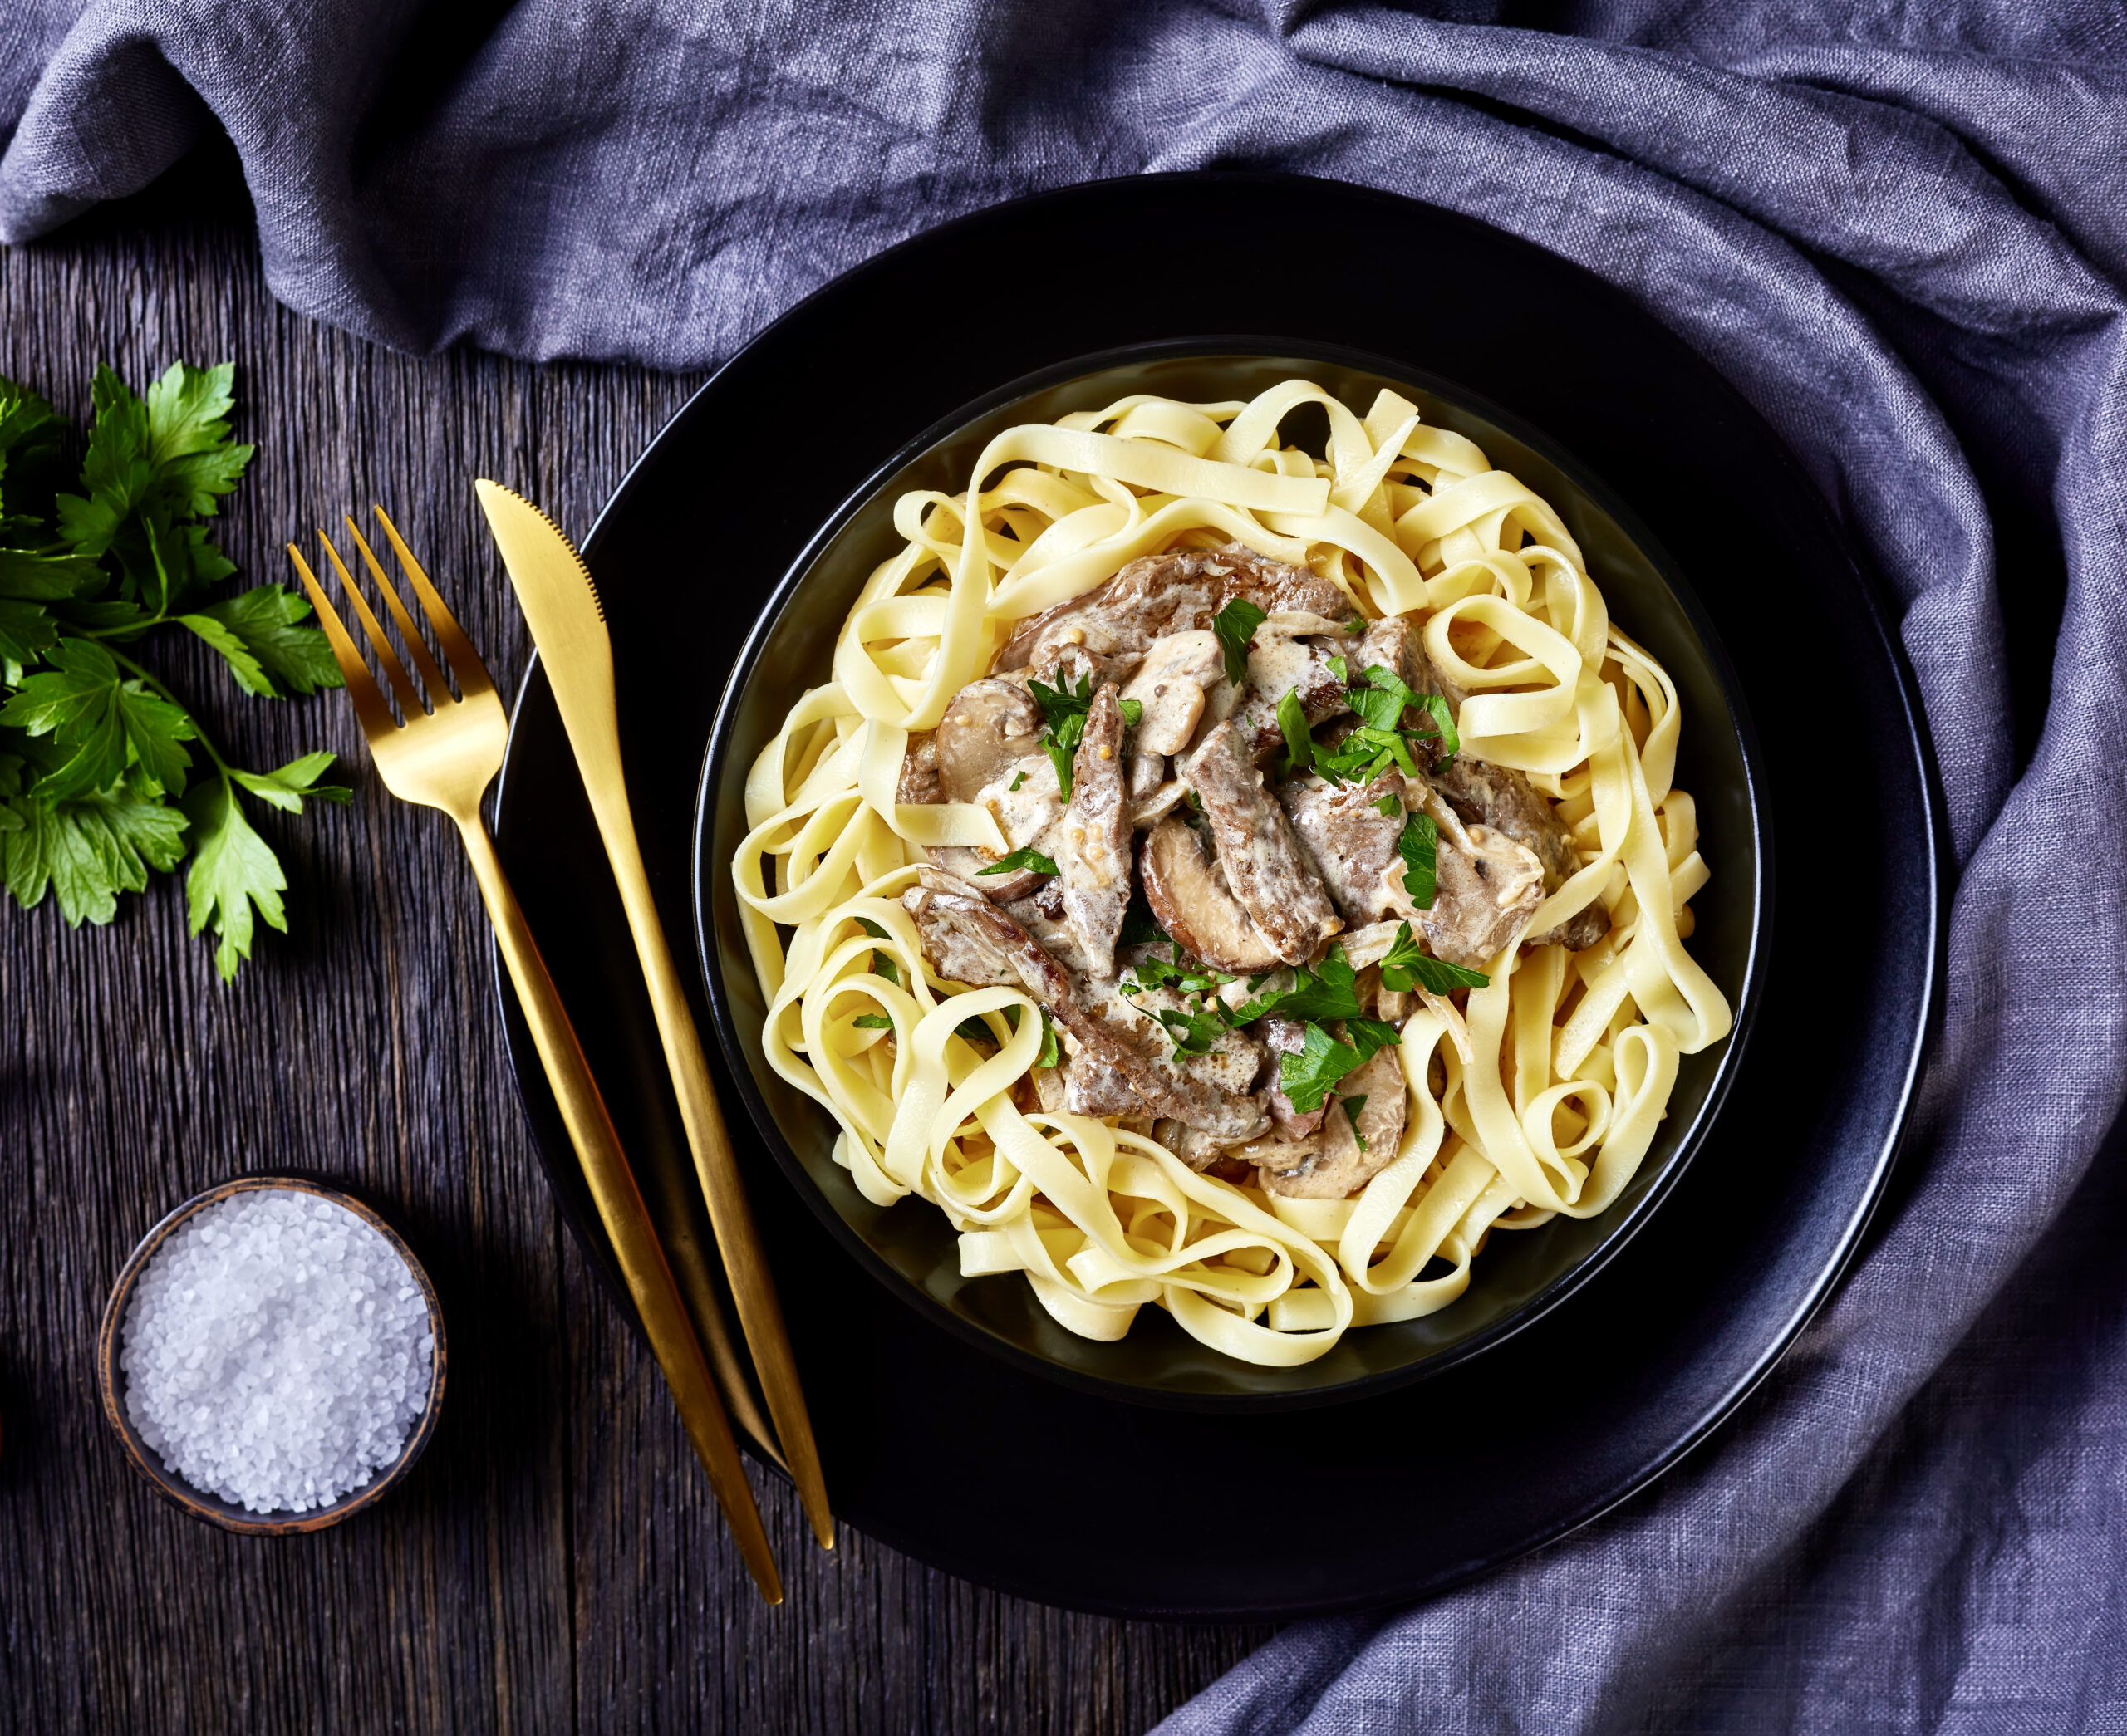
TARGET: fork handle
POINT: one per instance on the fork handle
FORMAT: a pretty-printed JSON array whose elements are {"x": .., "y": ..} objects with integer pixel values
[{"x": 636, "y": 1246}]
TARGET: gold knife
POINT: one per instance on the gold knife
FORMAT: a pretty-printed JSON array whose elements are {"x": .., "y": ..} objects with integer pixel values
[{"x": 569, "y": 625}]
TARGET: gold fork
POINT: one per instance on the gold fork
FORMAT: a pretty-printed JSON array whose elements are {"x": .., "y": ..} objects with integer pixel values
[{"x": 445, "y": 758}]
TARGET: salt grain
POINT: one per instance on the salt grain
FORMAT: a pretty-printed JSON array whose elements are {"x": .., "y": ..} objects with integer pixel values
[{"x": 277, "y": 1351}]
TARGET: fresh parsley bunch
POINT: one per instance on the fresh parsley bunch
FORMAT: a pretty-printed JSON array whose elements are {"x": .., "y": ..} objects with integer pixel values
[{"x": 97, "y": 787}]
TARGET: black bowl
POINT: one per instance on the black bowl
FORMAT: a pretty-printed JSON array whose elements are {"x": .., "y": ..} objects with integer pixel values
[{"x": 910, "y": 1246}]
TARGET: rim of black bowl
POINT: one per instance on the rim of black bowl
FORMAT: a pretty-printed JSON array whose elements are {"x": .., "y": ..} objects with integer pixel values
[
  {"x": 1634, "y": 1210},
  {"x": 202, "y": 1503}
]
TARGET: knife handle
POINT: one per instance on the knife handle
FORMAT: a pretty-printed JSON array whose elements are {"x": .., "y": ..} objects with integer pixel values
[
  {"x": 753, "y": 1288},
  {"x": 627, "y": 1222}
]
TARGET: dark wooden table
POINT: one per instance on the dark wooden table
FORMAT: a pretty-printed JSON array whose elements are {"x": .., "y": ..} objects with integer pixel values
[{"x": 555, "y": 1563}]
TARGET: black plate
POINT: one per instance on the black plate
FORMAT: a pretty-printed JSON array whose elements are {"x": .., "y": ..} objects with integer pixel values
[
  {"x": 945, "y": 1452},
  {"x": 910, "y": 1246}
]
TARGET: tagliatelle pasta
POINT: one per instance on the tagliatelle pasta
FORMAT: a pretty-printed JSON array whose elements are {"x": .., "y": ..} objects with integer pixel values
[{"x": 1536, "y": 1094}]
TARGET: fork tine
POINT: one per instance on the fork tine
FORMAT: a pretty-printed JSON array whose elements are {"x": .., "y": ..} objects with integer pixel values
[
  {"x": 410, "y": 702},
  {"x": 432, "y": 678},
  {"x": 457, "y": 649},
  {"x": 373, "y": 715}
]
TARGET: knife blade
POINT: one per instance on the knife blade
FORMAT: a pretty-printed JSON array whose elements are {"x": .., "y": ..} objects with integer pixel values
[{"x": 567, "y": 619}]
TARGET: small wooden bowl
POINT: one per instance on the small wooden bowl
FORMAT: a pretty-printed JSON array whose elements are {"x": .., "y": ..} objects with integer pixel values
[{"x": 199, "y": 1503}]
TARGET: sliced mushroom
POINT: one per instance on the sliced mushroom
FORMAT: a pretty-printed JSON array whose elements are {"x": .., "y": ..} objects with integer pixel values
[
  {"x": 1486, "y": 887},
  {"x": 1093, "y": 848},
  {"x": 990, "y": 727},
  {"x": 1171, "y": 685},
  {"x": 1191, "y": 900},
  {"x": 1356, "y": 1144}
]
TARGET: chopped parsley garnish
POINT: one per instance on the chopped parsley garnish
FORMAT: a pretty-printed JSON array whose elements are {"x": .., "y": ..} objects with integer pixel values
[
  {"x": 881, "y": 965},
  {"x": 1353, "y": 1108},
  {"x": 1306, "y": 1074},
  {"x": 1357, "y": 627},
  {"x": 1451, "y": 743},
  {"x": 1028, "y": 859},
  {"x": 1380, "y": 699},
  {"x": 1235, "y": 626},
  {"x": 1419, "y": 847},
  {"x": 1336, "y": 666},
  {"x": 1299, "y": 745},
  {"x": 1051, "y": 1050},
  {"x": 1133, "y": 711},
  {"x": 1388, "y": 807},
  {"x": 873, "y": 1021},
  {"x": 1140, "y": 925},
  {"x": 1405, "y": 968},
  {"x": 1154, "y": 971},
  {"x": 1194, "y": 1033},
  {"x": 1018, "y": 779},
  {"x": 1065, "y": 709}
]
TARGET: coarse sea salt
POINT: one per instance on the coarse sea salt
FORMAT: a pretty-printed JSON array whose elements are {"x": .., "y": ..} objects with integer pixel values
[{"x": 277, "y": 1351}]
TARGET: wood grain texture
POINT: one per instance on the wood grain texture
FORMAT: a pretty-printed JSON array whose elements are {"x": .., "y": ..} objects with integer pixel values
[{"x": 555, "y": 1562}]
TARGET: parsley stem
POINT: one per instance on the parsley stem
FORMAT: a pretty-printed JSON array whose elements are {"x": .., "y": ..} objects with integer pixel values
[{"x": 199, "y": 734}]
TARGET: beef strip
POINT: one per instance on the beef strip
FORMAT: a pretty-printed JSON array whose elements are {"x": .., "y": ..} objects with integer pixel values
[
  {"x": 1262, "y": 859},
  {"x": 1093, "y": 846},
  {"x": 969, "y": 939},
  {"x": 1349, "y": 842},
  {"x": 1342, "y": 1166},
  {"x": 1117, "y": 622},
  {"x": 1502, "y": 798}
]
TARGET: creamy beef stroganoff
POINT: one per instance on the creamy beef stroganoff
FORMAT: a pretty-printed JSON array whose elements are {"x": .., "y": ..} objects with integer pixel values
[{"x": 1231, "y": 879}]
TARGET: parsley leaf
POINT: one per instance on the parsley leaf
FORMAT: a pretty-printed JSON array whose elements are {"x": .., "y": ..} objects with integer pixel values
[
  {"x": 881, "y": 965},
  {"x": 100, "y": 721},
  {"x": 1133, "y": 711},
  {"x": 1235, "y": 626},
  {"x": 1018, "y": 778},
  {"x": 1404, "y": 968},
  {"x": 92, "y": 760},
  {"x": 1139, "y": 925},
  {"x": 1194, "y": 1033},
  {"x": 1154, "y": 971},
  {"x": 1354, "y": 1107},
  {"x": 189, "y": 445},
  {"x": 1306, "y": 1074},
  {"x": 1299, "y": 745},
  {"x": 875, "y": 1022},
  {"x": 1388, "y": 807},
  {"x": 258, "y": 631},
  {"x": 89, "y": 850},
  {"x": 1451, "y": 743},
  {"x": 1061, "y": 703},
  {"x": 287, "y": 788},
  {"x": 1419, "y": 847},
  {"x": 1065, "y": 710},
  {"x": 1380, "y": 697},
  {"x": 232, "y": 874},
  {"x": 1027, "y": 858},
  {"x": 1051, "y": 1050}
]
